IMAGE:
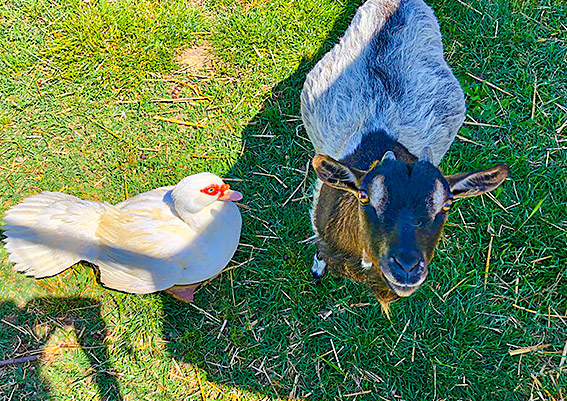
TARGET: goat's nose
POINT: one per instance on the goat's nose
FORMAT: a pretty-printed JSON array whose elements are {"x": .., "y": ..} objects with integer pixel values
[{"x": 409, "y": 264}]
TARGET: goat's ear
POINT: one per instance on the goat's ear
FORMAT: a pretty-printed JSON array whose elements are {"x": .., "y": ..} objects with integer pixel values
[
  {"x": 478, "y": 182},
  {"x": 336, "y": 174}
]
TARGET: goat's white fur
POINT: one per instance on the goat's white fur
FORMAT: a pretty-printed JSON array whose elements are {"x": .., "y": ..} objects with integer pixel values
[
  {"x": 364, "y": 261},
  {"x": 378, "y": 194},
  {"x": 319, "y": 266},
  {"x": 437, "y": 200},
  {"x": 316, "y": 192}
]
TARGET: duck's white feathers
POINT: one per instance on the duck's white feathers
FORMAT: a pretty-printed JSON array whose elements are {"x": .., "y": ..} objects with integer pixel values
[
  {"x": 140, "y": 245},
  {"x": 48, "y": 232},
  {"x": 145, "y": 247}
]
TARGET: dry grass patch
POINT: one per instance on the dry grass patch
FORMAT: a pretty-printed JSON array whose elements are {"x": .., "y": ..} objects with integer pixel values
[{"x": 196, "y": 59}]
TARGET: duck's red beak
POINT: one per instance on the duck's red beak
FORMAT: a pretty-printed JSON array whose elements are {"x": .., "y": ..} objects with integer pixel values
[{"x": 228, "y": 194}]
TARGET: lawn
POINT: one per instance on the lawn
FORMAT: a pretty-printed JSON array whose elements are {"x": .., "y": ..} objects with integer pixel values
[{"x": 92, "y": 92}]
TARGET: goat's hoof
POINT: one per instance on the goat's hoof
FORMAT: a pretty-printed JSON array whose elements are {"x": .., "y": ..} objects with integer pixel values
[{"x": 316, "y": 277}]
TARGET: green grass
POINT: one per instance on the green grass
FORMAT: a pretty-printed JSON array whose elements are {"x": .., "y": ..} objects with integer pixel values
[{"x": 68, "y": 67}]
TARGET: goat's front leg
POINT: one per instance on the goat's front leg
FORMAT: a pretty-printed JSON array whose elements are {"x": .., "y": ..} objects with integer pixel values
[
  {"x": 319, "y": 267},
  {"x": 323, "y": 260}
]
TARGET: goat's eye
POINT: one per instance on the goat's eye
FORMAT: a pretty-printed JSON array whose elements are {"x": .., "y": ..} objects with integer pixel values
[
  {"x": 447, "y": 205},
  {"x": 363, "y": 196}
]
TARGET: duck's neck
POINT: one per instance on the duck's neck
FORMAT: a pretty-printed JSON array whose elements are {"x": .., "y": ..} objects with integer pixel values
[{"x": 202, "y": 218}]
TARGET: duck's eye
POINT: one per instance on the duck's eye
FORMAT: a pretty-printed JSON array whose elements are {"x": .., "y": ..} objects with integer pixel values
[
  {"x": 447, "y": 205},
  {"x": 363, "y": 196},
  {"x": 212, "y": 189}
]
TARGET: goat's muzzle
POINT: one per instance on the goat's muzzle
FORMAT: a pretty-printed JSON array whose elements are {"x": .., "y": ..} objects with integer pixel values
[{"x": 404, "y": 273}]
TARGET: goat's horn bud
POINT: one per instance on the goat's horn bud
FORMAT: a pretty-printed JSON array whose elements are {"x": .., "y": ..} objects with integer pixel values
[
  {"x": 389, "y": 155},
  {"x": 426, "y": 155}
]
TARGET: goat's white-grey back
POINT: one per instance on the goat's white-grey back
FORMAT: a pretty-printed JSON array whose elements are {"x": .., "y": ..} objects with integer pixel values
[{"x": 387, "y": 73}]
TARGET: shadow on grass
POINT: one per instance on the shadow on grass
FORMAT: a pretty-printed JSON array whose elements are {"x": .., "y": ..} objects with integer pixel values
[
  {"x": 254, "y": 351},
  {"x": 25, "y": 334},
  {"x": 275, "y": 211}
]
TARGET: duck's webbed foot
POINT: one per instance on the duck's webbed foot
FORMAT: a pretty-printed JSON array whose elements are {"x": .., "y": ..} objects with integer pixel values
[{"x": 183, "y": 293}]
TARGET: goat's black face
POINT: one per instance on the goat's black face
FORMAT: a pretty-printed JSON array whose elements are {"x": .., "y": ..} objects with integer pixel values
[
  {"x": 402, "y": 221},
  {"x": 402, "y": 210}
]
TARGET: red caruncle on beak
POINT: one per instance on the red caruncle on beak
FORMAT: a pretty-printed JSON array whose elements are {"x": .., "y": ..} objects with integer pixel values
[{"x": 222, "y": 191}]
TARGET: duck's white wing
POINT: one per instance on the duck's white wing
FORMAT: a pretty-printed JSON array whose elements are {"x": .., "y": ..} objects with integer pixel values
[
  {"x": 207, "y": 249},
  {"x": 145, "y": 247},
  {"x": 139, "y": 242},
  {"x": 159, "y": 197}
]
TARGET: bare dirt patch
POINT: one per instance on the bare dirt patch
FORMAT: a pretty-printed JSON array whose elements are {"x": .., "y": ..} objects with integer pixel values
[{"x": 197, "y": 58}]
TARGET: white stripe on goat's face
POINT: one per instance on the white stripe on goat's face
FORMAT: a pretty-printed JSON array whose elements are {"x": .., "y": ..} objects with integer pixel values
[
  {"x": 377, "y": 193},
  {"x": 437, "y": 200}
]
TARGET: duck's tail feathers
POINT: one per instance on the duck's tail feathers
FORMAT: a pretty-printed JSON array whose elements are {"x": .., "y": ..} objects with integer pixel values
[{"x": 49, "y": 232}]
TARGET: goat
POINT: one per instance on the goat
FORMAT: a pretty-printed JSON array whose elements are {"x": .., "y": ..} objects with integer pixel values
[{"x": 382, "y": 96}]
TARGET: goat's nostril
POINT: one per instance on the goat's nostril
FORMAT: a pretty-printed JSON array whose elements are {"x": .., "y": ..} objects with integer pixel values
[
  {"x": 399, "y": 263},
  {"x": 408, "y": 266},
  {"x": 420, "y": 264}
]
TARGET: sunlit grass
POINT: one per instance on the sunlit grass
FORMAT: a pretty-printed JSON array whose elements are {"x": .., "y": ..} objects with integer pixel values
[{"x": 80, "y": 82}]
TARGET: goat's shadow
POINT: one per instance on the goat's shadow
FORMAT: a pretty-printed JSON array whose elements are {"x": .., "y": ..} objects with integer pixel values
[{"x": 25, "y": 334}]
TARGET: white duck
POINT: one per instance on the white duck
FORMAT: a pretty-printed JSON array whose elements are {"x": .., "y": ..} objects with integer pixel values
[{"x": 171, "y": 238}]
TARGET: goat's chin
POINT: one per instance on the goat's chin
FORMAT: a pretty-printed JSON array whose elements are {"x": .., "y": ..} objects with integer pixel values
[{"x": 403, "y": 290}]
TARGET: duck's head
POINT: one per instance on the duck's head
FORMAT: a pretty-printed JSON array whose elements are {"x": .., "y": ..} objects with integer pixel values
[{"x": 198, "y": 191}]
